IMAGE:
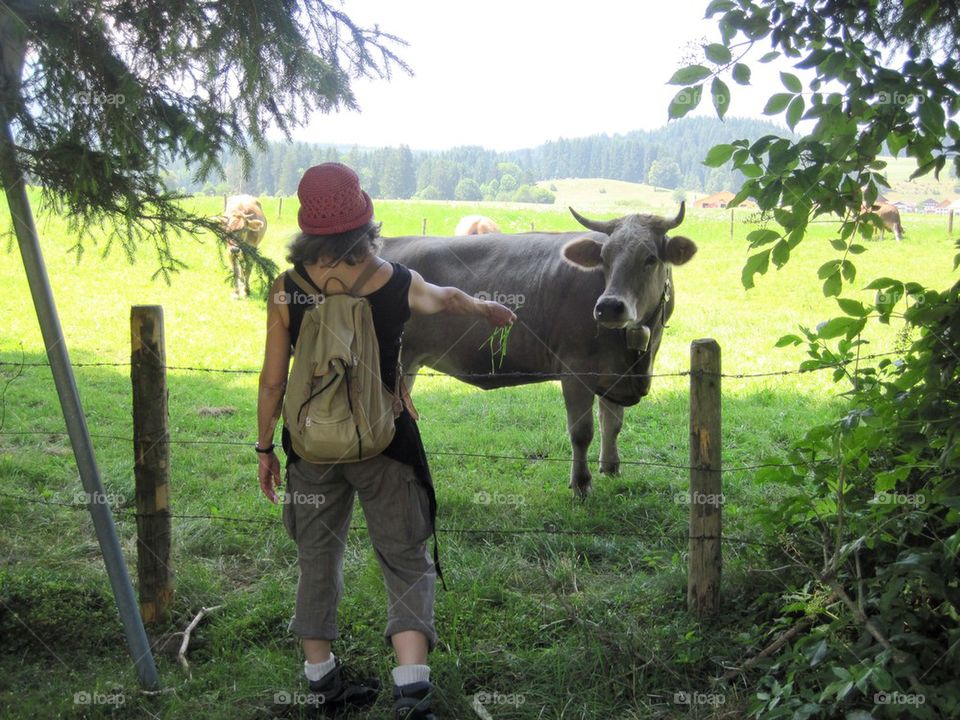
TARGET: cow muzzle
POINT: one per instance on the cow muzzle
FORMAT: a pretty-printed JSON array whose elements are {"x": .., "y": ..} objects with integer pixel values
[{"x": 611, "y": 312}]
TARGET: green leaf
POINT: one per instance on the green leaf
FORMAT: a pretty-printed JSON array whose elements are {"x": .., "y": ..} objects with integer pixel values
[
  {"x": 772, "y": 55},
  {"x": 685, "y": 101},
  {"x": 777, "y": 103},
  {"x": 763, "y": 236},
  {"x": 717, "y": 53},
  {"x": 741, "y": 74},
  {"x": 832, "y": 285},
  {"x": 835, "y": 327},
  {"x": 721, "y": 96},
  {"x": 828, "y": 268},
  {"x": 856, "y": 249},
  {"x": 795, "y": 111},
  {"x": 791, "y": 82},
  {"x": 780, "y": 253},
  {"x": 788, "y": 340},
  {"x": 718, "y": 155},
  {"x": 848, "y": 270},
  {"x": 853, "y": 307},
  {"x": 690, "y": 74},
  {"x": 755, "y": 264}
]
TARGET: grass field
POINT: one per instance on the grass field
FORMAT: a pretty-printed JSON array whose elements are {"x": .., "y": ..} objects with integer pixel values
[{"x": 546, "y": 625}]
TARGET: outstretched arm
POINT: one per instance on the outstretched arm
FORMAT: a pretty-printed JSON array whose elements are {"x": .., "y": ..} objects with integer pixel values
[
  {"x": 429, "y": 299},
  {"x": 273, "y": 380}
]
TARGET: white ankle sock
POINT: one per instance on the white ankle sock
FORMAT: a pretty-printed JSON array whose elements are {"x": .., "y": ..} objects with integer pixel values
[
  {"x": 407, "y": 674},
  {"x": 315, "y": 671}
]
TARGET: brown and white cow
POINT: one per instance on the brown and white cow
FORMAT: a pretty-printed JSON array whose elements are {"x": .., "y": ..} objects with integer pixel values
[
  {"x": 476, "y": 225},
  {"x": 890, "y": 217},
  {"x": 591, "y": 309},
  {"x": 244, "y": 221}
]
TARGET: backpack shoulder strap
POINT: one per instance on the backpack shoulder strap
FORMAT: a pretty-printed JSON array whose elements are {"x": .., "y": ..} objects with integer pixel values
[
  {"x": 301, "y": 282},
  {"x": 367, "y": 273}
]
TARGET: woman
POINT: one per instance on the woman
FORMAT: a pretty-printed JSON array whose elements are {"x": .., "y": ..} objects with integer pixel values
[{"x": 338, "y": 250}]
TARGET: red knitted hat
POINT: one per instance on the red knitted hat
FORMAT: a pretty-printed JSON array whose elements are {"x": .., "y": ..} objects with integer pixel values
[{"x": 331, "y": 200}]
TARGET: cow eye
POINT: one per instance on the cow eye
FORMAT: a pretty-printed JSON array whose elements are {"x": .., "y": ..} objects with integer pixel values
[{"x": 650, "y": 260}]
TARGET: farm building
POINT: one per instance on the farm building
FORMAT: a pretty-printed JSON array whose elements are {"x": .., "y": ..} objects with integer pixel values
[
  {"x": 928, "y": 206},
  {"x": 904, "y": 206},
  {"x": 720, "y": 200}
]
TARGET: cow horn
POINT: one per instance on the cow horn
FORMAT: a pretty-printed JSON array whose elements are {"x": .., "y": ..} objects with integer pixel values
[
  {"x": 604, "y": 226},
  {"x": 670, "y": 224}
]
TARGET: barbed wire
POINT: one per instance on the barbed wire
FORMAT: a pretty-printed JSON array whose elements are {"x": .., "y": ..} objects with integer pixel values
[
  {"x": 546, "y": 530},
  {"x": 447, "y": 453},
  {"x": 505, "y": 375}
]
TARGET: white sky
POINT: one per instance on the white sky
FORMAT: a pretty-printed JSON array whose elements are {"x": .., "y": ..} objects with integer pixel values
[{"x": 512, "y": 74}]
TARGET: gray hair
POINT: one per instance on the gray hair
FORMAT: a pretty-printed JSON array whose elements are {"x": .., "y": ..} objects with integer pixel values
[{"x": 351, "y": 247}]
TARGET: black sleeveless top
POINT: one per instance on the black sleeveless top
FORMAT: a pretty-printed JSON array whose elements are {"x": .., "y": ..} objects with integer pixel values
[{"x": 390, "y": 308}]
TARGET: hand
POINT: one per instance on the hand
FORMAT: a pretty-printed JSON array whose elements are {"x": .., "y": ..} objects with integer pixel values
[
  {"x": 498, "y": 315},
  {"x": 268, "y": 472}
]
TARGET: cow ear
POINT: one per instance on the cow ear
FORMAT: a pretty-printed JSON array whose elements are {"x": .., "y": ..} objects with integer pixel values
[
  {"x": 679, "y": 249},
  {"x": 583, "y": 252},
  {"x": 255, "y": 225}
]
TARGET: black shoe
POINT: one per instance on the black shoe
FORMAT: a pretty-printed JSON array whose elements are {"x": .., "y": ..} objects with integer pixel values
[
  {"x": 412, "y": 702},
  {"x": 341, "y": 690}
]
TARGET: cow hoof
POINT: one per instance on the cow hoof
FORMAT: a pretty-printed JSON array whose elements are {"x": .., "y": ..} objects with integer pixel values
[
  {"x": 581, "y": 488},
  {"x": 610, "y": 468}
]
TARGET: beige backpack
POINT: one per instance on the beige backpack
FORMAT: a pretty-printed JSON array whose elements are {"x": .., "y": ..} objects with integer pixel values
[{"x": 336, "y": 407}]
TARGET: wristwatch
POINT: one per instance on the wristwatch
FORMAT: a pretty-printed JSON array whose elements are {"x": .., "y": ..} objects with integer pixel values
[{"x": 256, "y": 446}]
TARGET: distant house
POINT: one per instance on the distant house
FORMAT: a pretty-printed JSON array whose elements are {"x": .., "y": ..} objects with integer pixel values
[
  {"x": 928, "y": 206},
  {"x": 951, "y": 203},
  {"x": 904, "y": 206},
  {"x": 720, "y": 200}
]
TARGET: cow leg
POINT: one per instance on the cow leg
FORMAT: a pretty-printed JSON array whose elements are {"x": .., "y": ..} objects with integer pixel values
[
  {"x": 237, "y": 276},
  {"x": 579, "y": 401},
  {"x": 247, "y": 267},
  {"x": 611, "y": 421}
]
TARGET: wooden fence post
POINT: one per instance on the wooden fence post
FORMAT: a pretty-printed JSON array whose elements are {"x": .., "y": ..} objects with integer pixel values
[
  {"x": 423, "y": 228},
  {"x": 950, "y": 224},
  {"x": 280, "y": 207},
  {"x": 224, "y": 203},
  {"x": 706, "y": 498},
  {"x": 151, "y": 449},
  {"x": 732, "y": 211}
]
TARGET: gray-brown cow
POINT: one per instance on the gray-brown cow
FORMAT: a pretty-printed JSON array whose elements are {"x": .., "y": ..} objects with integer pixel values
[{"x": 591, "y": 308}]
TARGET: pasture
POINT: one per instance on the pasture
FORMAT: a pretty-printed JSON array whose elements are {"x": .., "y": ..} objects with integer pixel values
[{"x": 586, "y": 624}]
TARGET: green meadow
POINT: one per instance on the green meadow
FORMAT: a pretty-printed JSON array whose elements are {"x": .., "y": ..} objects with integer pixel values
[{"x": 589, "y": 622}]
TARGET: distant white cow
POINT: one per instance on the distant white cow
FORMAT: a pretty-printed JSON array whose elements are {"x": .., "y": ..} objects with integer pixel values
[
  {"x": 243, "y": 219},
  {"x": 476, "y": 225}
]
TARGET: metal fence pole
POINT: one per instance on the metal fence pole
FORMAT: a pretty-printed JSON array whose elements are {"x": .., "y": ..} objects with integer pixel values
[{"x": 66, "y": 385}]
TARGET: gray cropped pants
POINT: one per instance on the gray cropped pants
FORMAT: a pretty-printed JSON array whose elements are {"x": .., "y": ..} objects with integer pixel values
[{"x": 318, "y": 505}]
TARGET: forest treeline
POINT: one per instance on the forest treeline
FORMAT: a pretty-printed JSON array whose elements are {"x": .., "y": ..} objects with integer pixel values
[{"x": 669, "y": 157}]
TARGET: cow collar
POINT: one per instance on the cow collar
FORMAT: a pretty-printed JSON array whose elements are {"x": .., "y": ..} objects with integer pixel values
[{"x": 638, "y": 336}]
